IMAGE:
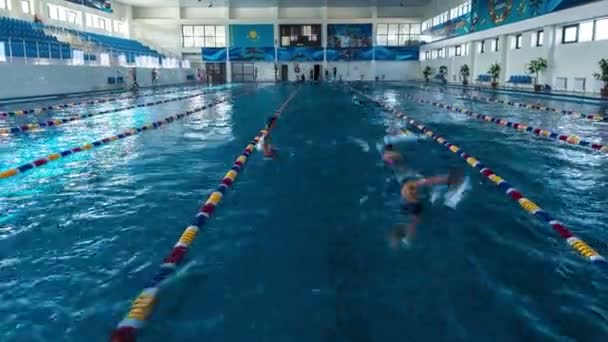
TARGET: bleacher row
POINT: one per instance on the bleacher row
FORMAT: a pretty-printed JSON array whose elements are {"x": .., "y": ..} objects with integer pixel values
[{"x": 26, "y": 39}]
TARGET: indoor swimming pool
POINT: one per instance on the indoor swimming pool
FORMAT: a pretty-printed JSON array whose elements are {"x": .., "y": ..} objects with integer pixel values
[{"x": 297, "y": 250}]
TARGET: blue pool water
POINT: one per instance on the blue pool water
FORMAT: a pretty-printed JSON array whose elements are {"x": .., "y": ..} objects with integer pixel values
[{"x": 298, "y": 250}]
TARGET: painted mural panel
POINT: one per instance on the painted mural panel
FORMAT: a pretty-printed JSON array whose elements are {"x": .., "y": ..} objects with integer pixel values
[
  {"x": 252, "y": 35},
  {"x": 102, "y": 5},
  {"x": 252, "y": 54},
  {"x": 300, "y": 54},
  {"x": 455, "y": 27},
  {"x": 383, "y": 53},
  {"x": 214, "y": 54},
  {"x": 350, "y": 54},
  {"x": 349, "y": 35}
]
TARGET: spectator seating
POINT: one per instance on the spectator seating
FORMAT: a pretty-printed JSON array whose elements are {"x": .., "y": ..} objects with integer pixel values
[
  {"x": 25, "y": 39},
  {"x": 484, "y": 78},
  {"x": 520, "y": 79}
]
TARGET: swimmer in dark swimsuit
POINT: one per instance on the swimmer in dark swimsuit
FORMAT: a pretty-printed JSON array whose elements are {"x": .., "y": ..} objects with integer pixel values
[
  {"x": 269, "y": 150},
  {"x": 413, "y": 206}
]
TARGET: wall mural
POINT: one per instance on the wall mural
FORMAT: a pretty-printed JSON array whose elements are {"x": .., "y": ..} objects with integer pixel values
[
  {"x": 251, "y": 54},
  {"x": 455, "y": 27},
  {"x": 349, "y": 35},
  {"x": 252, "y": 35},
  {"x": 350, "y": 54},
  {"x": 486, "y": 14},
  {"x": 102, "y": 5},
  {"x": 214, "y": 54},
  {"x": 300, "y": 54},
  {"x": 384, "y": 53}
]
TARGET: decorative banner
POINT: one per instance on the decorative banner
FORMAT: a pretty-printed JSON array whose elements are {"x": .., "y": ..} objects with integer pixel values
[
  {"x": 491, "y": 13},
  {"x": 252, "y": 35},
  {"x": 455, "y": 27},
  {"x": 301, "y": 54},
  {"x": 350, "y": 54},
  {"x": 349, "y": 35},
  {"x": 102, "y": 5},
  {"x": 265, "y": 54},
  {"x": 214, "y": 54},
  {"x": 383, "y": 53}
]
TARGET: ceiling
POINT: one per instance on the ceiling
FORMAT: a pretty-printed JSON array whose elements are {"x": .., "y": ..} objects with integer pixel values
[{"x": 281, "y": 3}]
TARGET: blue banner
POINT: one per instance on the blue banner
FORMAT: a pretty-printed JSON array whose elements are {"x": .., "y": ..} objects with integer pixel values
[
  {"x": 349, "y": 35},
  {"x": 252, "y": 54},
  {"x": 102, "y": 5},
  {"x": 252, "y": 35},
  {"x": 350, "y": 54},
  {"x": 300, "y": 54},
  {"x": 383, "y": 53},
  {"x": 214, "y": 54},
  {"x": 455, "y": 27}
]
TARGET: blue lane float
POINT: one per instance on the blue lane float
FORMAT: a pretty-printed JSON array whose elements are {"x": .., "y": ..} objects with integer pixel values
[
  {"x": 40, "y": 110},
  {"x": 530, "y": 207},
  {"x": 142, "y": 306},
  {"x": 58, "y": 122},
  {"x": 98, "y": 143}
]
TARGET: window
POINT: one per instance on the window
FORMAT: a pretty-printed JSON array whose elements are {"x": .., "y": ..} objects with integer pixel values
[
  {"x": 5, "y": 5},
  {"x": 518, "y": 41},
  {"x": 64, "y": 14},
  {"x": 26, "y": 7},
  {"x": 195, "y": 36},
  {"x": 397, "y": 34},
  {"x": 458, "y": 50},
  {"x": 495, "y": 44},
  {"x": 537, "y": 38},
  {"x": 601, "y": 29},
  {"x": 570, "y": 34},
  {"x": 585, "y": 32},
  {"x": 441, "y": 53},
  {"x": 482, "y": 46},
  {"x": 433, "y": 54},
  {"x": 98, "y": 22},
  {"x": 120, "y": 27}
]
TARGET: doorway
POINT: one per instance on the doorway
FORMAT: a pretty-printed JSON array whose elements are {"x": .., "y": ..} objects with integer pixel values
[
  {"x": 284, "y": 72},
  {"x": 216, "y": 73},
  {"x": 317, "y": 72}
]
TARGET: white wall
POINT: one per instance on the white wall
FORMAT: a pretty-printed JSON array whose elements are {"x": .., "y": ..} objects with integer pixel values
[
  {"x": 398, "y": 71},
  {"x": 578, "y": 60},
  {"x": 39, "y": 80}
]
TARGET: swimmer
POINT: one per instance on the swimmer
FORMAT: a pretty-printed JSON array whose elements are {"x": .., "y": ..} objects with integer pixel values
[
  {"x": 269, "y": 150},
  {"x": 356, "y": 100},
  {"x": 391, "y": 157},
  {"x": 412, "y": 204}
]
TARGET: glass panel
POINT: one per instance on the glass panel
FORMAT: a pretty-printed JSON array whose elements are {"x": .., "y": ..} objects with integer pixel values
[
  {"x": 25, "y": 6},
  {"x": 209, "y": 42},
  {"x": 415, "y": 29},
  {"x": 601, "y": 29},
  {"x": 382, "y": 40},
  {"x": 392, "y": 40},
  {"x": 188, "y": 42},
  {"x": 220, "y": 41},
  {"x": 209, "y": 30},
  {"x": 393, "y": 28},
  {"x": 541, "y": 38},
  {"x": 188, "y": 31},
  {"x": 403, "y": 39},
  {"x": 382, "y": 29},
  {"x": 570, "y": 34},
  {"x": 585, "y": 33},
  {"x": 201, "y": 41},
  {"x": 404, "y": 28},
  {"x": 220, "y": 30}
]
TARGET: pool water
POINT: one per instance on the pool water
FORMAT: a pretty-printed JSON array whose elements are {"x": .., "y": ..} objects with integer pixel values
[{"x": 298, "y": 250}]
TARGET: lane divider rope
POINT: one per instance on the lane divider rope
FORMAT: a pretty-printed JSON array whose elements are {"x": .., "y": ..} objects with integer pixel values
[
  {"x": 142, "y": 306},
  {"x": 40, "y": 110},
  {"x": 544, "y": 108},
  {"x": 530, "y": 207},
  {"x": 518, "y": 126},
  {"x": 58, "y": 122},
  {"x": 88, "y": 146}
]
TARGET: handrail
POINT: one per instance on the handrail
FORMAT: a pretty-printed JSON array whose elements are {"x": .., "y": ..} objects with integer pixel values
[{"x": 142, "y": 306}]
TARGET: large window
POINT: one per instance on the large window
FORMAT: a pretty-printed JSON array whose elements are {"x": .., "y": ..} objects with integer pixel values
[
  {"x": 4, "y": 5},
  {"x": 195, "y": 36},
  {"x": 26, "y": 7},
  {"x": 97, "y": 22},
  {"x": 447, "y": 15},
  {"x": 397, "y": 34},
  {"x": 585, "y": 31},
  {"x": 601, "y": 29},
  {"x": 64, "y": 14},
  {"x": 519, "y": 41},
  {"x": 300, "y": 35},
  {"x": 570, "y": 34},
  {"x": 120, "y": 27}
]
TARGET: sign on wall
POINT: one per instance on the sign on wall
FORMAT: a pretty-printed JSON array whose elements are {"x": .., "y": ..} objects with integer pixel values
[
  {"x": 349, "y": 35},
  {"x": 252, "y": 35},
  {"x": 215, "y": 54},
  {"x": 300, "y": 54},
  {"x": 102, "y": 5}
]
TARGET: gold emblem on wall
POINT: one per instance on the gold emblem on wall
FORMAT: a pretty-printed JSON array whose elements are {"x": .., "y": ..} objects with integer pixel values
[{"x": 500, "y": 10}]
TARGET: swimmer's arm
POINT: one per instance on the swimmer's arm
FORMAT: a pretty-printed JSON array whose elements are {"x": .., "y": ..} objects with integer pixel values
[{"x": 431, "y": 181}]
